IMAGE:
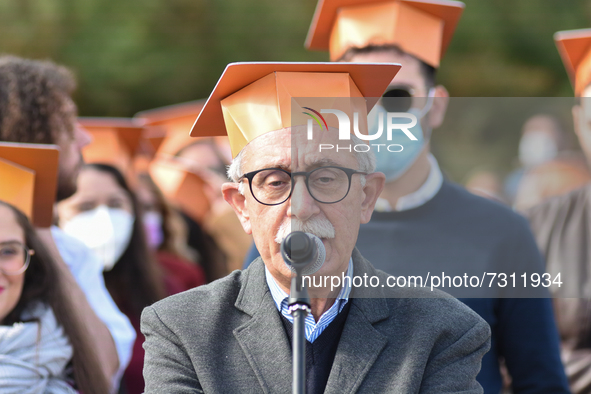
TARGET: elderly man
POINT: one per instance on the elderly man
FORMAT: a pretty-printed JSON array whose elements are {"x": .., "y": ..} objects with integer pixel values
[
  {"x": 233, "y": 336},
  {"x": 561, "y": 225}
]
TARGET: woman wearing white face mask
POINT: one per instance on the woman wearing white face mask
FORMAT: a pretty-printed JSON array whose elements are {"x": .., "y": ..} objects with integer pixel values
[{"x": 105, "y": 216}]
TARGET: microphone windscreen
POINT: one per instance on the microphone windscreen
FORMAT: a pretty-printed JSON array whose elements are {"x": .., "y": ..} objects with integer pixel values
[{"x": 319, "y": 257}]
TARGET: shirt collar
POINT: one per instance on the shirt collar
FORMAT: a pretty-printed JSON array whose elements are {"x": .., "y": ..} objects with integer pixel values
[
  {"x": 279, "y": 295},
  {"x": 423, "y": 194}
]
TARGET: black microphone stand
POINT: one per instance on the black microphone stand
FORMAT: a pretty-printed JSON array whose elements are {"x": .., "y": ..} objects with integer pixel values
[
  {"x": 299, "y": 308},
  {"x": 298, "y": 250}
]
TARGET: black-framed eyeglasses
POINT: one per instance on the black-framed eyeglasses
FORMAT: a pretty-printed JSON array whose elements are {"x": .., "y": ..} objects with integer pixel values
[
  {"x": 14, "y": 257},
  {"x": 274, "y": 186}
]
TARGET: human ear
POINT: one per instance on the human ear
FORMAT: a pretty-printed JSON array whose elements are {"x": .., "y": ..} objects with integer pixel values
[
  {"x": 576, "y": 111},
  {"x": 238, "y": 202},
  {"x": 374, "y": 184},
  {"x": 439, "y": 108}
]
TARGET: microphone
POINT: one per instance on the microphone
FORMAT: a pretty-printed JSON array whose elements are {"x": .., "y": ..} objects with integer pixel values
[{"x": 303, "y": 252}]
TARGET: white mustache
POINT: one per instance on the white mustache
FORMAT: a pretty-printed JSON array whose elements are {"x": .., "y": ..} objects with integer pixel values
[{"x": 320, "y": 227}]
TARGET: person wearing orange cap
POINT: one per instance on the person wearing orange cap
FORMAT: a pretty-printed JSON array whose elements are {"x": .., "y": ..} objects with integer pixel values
[
  {"x": 561, "y": 225},
  {"x": 423, "y": 218},
  {"x": 205, "y": 159},
  {"x": 234, "y": 335},
  {"x": 36, "y": 107},
  {"x": 37, "y": 354}
]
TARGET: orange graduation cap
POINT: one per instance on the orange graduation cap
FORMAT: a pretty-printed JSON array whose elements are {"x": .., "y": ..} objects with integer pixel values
[
  {"x": 28, "y": 179},
  {"x": 154, "y": 136},
  {"x": 421, "y": 28},
  {"x": 151, "y": 139},
  {"x": 574, "y": 47},
  {"x": 115, "y": 141},
  {"x": 177, "y": 121},
  {"x": 178, "y": 183},
  {"x": 252, "y": 99},
  {"x": 182, "y": 187}
]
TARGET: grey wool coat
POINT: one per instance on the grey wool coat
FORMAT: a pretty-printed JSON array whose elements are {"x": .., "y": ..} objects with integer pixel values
[{"x": 227, "y": 337}]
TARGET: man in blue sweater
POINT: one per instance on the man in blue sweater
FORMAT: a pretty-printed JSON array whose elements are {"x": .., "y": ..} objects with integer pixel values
[{"x": 426, "y": 219}]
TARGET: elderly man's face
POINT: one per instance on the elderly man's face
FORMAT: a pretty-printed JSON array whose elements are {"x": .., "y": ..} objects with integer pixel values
[{"x": 294, "y": 153}]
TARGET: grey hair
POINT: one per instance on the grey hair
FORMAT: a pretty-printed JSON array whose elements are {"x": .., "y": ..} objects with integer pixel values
[
  {"x": 235, "y": 168},
  {"x": 365, "y": 160}
]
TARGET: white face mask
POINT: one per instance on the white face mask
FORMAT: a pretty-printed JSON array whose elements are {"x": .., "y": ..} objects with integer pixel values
[
  {"x": 107, "y": 231},
  {"x": 536, "y": 148}
]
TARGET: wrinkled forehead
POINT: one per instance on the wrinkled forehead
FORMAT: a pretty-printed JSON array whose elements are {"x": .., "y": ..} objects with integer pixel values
[{"x": 295, "y": 149}]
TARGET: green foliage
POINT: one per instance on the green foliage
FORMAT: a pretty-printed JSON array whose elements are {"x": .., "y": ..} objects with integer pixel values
[{"x": 133, "y": 55}]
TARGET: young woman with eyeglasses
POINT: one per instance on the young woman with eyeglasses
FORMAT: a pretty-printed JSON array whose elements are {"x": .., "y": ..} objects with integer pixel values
[{"x": 43, "y": 345}]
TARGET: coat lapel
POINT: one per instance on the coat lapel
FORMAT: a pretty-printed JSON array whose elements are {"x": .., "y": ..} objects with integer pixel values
[
  {"x": 263, "y": 339},
  {"x": 358, "y": 349},
  {"x": 360, "y": 344},
  {"x": 267, "y": 349}
]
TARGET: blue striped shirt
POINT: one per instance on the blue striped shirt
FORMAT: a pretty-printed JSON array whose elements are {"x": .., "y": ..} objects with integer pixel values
[{"x": 313, "y": 329}]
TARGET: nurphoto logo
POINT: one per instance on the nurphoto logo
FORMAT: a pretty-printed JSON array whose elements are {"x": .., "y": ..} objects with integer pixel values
[{"x": 395, "y": 122}]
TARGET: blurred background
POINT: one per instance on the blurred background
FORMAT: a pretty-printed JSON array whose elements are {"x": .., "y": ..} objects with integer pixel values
[{"x": 135, "y": 55}]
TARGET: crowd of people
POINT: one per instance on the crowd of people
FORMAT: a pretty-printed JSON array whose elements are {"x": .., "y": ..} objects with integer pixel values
[{"x": 143, "y": 254}]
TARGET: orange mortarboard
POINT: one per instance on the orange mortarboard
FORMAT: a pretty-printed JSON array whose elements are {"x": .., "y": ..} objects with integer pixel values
[
  {"x": 154, "y": 136},
  {"x": 151, "y": 139},
  {"x": 177, "y": 121},
  {"x": 574, "y": 47},
  {"x": 115, "y": 141},
  {"x": 28, "y": 175},
  {"x": 182, "y": 187},
  {"x": 251, "y": 99},
  {"x": 421, "y": 28}
]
